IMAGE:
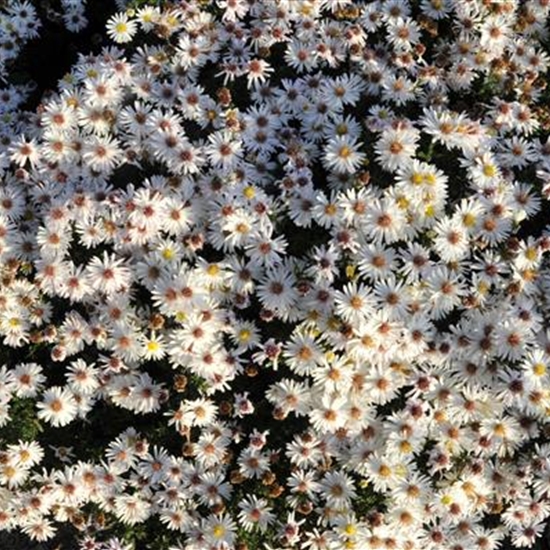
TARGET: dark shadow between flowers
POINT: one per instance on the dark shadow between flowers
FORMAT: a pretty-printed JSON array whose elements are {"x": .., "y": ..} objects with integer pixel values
[{"x": 47, "y": 59}]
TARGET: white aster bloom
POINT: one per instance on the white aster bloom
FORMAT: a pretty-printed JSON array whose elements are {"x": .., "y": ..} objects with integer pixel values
[
  {"x": 58, "y": 406},
  {"x": 120, "y": 28},
  {"x": 342, "y": 154}
]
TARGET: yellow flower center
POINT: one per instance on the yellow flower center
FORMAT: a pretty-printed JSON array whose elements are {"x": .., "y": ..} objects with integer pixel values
[
  {"x": 344, "y": 152},
  {"x": 218, "y": 531},
  {"x": 429, "y": 211},
  {"x": 499, "y": 430},
  {"x": 489, "y": 170},
  {"x": 350, "y": 529},
  {"x": 9, "y": 471},
  {"x": 244, "y": 335},
  {"x": 469, "y": 220},
  {"x": 416, "y": 178},
  {"x": 429, "y": 178},
  {"x": 213, "y": 270},
  {"x": 330, "y": 209},
  {"x": 24, "y": 455},
  {"x": 482, "y": 287},
  {"x": 341, "y": 129},
  {"x": 531, "y": 254},
  {"x": 403, "y": 202},
  {"x": 168, "y": 254},
  {"x": 249, "y": 192},
  {"x": 172, "y": 20},
  {"x": 539, "y": 369},
  {"x": 153, "y": 346}
]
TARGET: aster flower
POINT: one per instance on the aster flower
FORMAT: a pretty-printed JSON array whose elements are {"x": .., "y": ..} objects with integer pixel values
[
  {"x": 343, "y": 90},
  {"x": 82, "y": 377},
  {"x": 300, "y": 57},
  {"x": 385, "y": 338},
  {"x": 101, "y": 92},
  {"x": 353, "y": 302},
  {"x": 58, "y": 406},
  {"x": 26, "y": 453},
  {"x": 447, "y": 291},
  {"x": 108, "y": 275},
  {"x": 376, "y": 261},
  {"x": 23, "y": 152},
  {"x": 131, "y": 509},
  {"x": 328, "y": 415},
  {"x": 223, "y": 150},
  {"x": 257, "y": 71},
  {"x": 39, "y": 529},
  {"x": 120, "y": 28},
  {"x": 276, "y": 290},
  {"x": 302, "y": 354},
  {"x": 494, "y": 34},
  {"x": 342, "y": 154},
  {"x": 384, "y": 221},
  {"x": 290, "y": 396},
  {"x": 526, "y": 535},
  {"x": 102, "y": 154},
  {"x": 395, "y": 148},
  {"x": 219, "y": 531},
  {"x": 403, "y": 33},
  {"x": 337, "y": 489},
  {"x": 13, "y": 474},
  {"x": 255, "y": 514},
  {"x": 154, "y": 348},
  {"x": 398, "y": 89},
  {"x": 451, "y": 240},
  {"x": 28, "y": 379},
  {"x": 58, "y": 118},
  {"x": 145, "y": 396},
  {"x": 513, "y": 341}
]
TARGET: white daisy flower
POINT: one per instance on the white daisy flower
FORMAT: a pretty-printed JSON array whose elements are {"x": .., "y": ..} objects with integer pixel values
[
  {"x": 58, "y": 406},
  {"x": 121, "y": 29},
  {"x": 342, "y": 154}
]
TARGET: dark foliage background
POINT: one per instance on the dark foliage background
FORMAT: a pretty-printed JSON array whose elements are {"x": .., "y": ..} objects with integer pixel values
[{"x": 43, "y": 62}]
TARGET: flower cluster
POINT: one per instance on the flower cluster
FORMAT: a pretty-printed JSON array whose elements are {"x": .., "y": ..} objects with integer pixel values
[
  {"x": 20, "y": 22},
  {"x": 305, "y": 242},
  {"x": 73, "y": 15}
]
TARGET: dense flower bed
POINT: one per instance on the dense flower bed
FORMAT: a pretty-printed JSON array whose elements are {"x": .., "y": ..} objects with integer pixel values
[{"x": 274, "y": 274}]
